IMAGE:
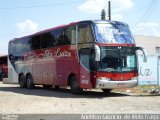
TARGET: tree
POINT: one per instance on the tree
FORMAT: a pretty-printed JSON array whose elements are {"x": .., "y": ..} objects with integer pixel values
[{"x": 103, "y": 14}]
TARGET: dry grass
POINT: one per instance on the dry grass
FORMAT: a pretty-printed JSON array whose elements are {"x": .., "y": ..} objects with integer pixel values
[{"x": 140, "y": 90}]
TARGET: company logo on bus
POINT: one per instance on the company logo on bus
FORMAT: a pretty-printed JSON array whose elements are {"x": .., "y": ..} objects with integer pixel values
[
  {"x": 48, "y": 54},
  {"x": 85, "y": 82}
]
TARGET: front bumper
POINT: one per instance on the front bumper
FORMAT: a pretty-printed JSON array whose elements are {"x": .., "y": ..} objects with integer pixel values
[{"x": 104, "y": 84}]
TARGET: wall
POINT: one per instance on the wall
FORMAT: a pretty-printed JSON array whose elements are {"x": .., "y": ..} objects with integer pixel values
[
  {"x": 158, "y": 70},
  {"x": 148, "y": 42},
  {"x": 149, "y": 72}
]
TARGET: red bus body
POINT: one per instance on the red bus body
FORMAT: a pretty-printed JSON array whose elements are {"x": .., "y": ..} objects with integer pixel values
[{"x": 69, "y": 61}]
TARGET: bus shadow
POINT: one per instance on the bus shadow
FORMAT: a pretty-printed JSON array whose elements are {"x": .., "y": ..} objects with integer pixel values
[{"x": 60, "y": 93}]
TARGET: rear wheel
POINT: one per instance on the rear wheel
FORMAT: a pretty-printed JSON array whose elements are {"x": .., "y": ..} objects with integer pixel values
[
  {"x": 57, "y": 86},
  {"x": 30, "y": 84},
  {"x": 22, "y": 82},
  {"x": 106, "y": 90},
  {"x": 74, "y": 86},
  {"x": 1, "y": 77}
]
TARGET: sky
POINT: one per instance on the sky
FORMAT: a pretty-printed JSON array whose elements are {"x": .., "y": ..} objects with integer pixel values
[{"x": 23, "y": 17}]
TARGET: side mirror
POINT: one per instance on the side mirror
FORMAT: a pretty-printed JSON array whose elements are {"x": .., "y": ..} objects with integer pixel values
[
  {"x": 144, "y": 53},
  {"x": 97, "y": 53}
]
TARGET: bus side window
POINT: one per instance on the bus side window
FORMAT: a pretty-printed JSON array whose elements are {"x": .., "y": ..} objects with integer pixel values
[
  {"x": 46, "y": 40},
  {"x": 26, "y": 44},
  {"x": 57, "y": 35},
  {"x": 71, "y": 34},
  {"x": 12, "y": 47},
  {"x": 85, "y": 37},
  {"x": 61, "y": 37},
  {"x": 21, "y": 46},
  {"x": 84, "y": 55},
  {"x": 12, "y": 50},
  {"x": 35, "y": 43},
  {"x": 18, "y": 46},
  {"x": 66, "y": 40}
]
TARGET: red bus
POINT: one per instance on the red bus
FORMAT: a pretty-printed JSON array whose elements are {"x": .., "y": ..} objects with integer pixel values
[
  {"x": 83, "y": 55},
  {"x": 3, "y": 67}
]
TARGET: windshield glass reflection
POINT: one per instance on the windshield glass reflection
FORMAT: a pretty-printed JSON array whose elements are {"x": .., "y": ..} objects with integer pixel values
[{"x": 113, "y": 33}]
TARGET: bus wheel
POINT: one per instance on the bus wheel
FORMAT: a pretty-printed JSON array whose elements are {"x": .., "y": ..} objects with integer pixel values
[
  {"x": 56, "y": 86},
  {"x": 30, "y": 84},
  {"x": 47, "y": 86},
  {"x": 1, "y": 78},
  {"x": 106, "y": 90},
  {"x": 74, "y": 86},
  {"x": 22, "y": 81}
]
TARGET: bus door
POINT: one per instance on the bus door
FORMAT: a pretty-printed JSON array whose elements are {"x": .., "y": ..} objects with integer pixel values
[{"x": 84, "y": 47}]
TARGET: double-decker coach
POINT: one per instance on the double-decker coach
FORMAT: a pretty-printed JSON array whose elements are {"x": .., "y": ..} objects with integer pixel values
[{"x": 83, "y": 55}]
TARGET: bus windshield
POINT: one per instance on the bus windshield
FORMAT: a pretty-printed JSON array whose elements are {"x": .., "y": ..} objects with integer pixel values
[
  {"x": 113, "y": 33},
  {"x": 117, "y": 59}
]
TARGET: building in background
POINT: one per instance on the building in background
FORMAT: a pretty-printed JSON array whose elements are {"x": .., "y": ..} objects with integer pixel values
[
  {"x": 149, "y": 72},
  {"x": 151, "y": 44}
]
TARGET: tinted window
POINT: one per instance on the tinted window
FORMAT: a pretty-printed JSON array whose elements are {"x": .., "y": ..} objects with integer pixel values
[
  {"x": 12, "y": 47},
  {"x": 26, "y": 44},
  {"x": 57, "y": 36},
  {"x": 71, "y": 34},
  {"x": 61, "y": 37},
  {"x": 22, "y": 45},
  {"x": 84, "y": 33},
  {"x": 66, "y": 40},
  {"x": 34, "y": 43},
  {"x": 47, "y": 40},
  {"x": 85, "y": 37},
  {"x": 19, "y": 46}
]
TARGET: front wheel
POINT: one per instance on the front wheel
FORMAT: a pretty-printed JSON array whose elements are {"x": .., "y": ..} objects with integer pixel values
[
  {"x": 74, "y": 86},
  {"x": 30, "y": 84}
]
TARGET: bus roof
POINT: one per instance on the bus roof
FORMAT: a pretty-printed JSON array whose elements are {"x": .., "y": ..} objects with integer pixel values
[{"x": 70, "y": 24}]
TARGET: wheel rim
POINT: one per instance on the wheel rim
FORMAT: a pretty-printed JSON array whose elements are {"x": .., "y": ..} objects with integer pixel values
[{"x": 73, "y": 84}]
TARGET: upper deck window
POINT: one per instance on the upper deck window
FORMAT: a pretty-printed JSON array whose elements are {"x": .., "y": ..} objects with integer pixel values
[{"x": 113, "y": 33}]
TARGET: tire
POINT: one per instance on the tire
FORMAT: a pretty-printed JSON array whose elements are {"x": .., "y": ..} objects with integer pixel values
[
  {"x": 29, "y": 84},
  {"x": 74, "y": 86},
  {"x": 56, "y": 86},
  {"x": 47, "y": 86},
  {"x": 106, "y": 90},
  {"x": 1, "y": 77},
  {"x": 22, "y": 81}
]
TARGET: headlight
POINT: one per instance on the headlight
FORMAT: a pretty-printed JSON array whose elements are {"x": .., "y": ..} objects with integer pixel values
[
  {"x": 103, "y": 78},
  {"x": 134, "y": 78}
]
